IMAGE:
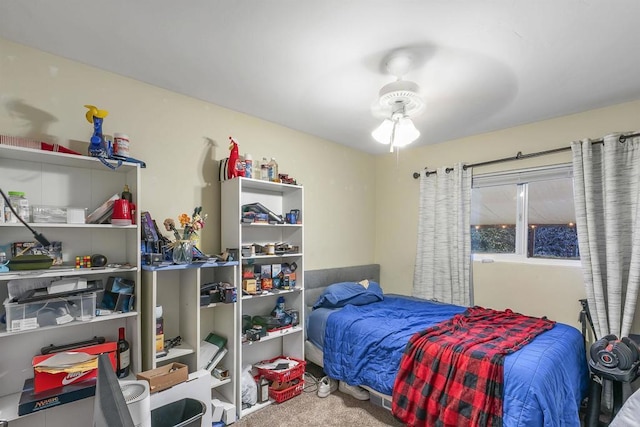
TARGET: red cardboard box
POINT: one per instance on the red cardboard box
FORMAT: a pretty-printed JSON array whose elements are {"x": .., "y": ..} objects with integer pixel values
[{"x": 45, "y": 381}]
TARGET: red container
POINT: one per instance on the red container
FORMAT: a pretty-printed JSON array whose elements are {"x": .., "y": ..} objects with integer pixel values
[
  {"x": 286, "y": 394},
  {"x": 285, "y": 374}
]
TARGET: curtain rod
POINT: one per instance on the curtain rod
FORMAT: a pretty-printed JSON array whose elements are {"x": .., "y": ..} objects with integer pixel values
[{"x": 521, "y": 156}]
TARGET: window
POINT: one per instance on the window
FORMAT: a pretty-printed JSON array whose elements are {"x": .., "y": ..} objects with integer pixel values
[{"x": 526, "y": 213}]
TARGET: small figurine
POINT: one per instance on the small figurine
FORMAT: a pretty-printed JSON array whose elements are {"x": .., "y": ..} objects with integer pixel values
[
  {"x": 98, "y": 147},
  {"x": 235, "y": 167}
]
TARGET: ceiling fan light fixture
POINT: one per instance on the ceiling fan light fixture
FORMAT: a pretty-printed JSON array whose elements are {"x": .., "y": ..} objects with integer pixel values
[
  {"x": 397, "y": 131},
  {"x": 382, "y": 133},
  {"x": 398, "y": 102},
  {"x": 405, "y": 132}
]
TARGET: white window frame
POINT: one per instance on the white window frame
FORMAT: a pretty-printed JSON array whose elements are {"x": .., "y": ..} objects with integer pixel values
[{"x": 521, "y": 178}]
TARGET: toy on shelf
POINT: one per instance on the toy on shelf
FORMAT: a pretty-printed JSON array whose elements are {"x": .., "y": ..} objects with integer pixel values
[
  {"x": 99, "y": 147},
  {"x": 235, "y": 167},
  {"x": 83, "y": 261}
]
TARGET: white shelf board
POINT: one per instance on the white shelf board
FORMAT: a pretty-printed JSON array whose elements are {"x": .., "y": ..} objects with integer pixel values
[
  {"x": 62, "y": 271},
  {"x": 65, "y": 225},
  {"x": 289, "y": 255},
  {"x": 217, "y": 383},
  {"x": 268, "y": 294},
  {"x": 275, "y": 335},
  {"x": 261, "y": 224},
  {"x": 176, "y": 352},
  {"x": 9, "y": 406},
  {"x": 4, "y": 333},
  {"x": 256, "y": 407},
  {"x": 61, "y": 159},
  {"x": 276, "y": 187}
]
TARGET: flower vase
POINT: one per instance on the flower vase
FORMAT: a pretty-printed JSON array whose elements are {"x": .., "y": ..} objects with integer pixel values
[{"x": 183, "y": 252}]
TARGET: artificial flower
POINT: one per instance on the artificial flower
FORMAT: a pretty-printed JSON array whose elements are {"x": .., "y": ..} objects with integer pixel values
[{"x": 190, "y": 224}]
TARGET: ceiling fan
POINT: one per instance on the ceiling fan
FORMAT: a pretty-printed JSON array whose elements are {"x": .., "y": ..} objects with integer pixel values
[{"x": 398, "y": 102}]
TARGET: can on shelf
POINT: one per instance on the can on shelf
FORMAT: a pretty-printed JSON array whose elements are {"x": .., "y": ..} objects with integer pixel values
[{"x": 121, "y": 144}]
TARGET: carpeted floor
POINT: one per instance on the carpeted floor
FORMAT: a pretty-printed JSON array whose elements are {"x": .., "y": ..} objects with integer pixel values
[{"x": 307, "y": 409}]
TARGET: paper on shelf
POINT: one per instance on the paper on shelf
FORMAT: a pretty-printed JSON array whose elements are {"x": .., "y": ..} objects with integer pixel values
[{"x": 70, "y": 361}]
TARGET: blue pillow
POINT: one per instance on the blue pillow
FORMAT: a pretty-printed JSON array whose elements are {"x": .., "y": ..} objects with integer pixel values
[{"x": 340, "y": 294}]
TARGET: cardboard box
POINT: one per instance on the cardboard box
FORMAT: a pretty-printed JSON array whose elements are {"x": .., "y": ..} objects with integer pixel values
[
  {"x": 165, "y": 376},
  {"x": 30, "y": 401},
  {"x": 249, "y": 285},
  {"x": 43, "y": 381}
]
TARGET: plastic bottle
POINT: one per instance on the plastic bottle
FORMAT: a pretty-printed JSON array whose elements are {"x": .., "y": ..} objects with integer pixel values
[
  {"x": 264, "y": 169},
  {"x": 126, "y": 194},
  {"x": 20, "y": 205},
  {"x": 123, "y": 356},
  {"x": 248, "y": 166},
  {"x": 273, "y": 170}
]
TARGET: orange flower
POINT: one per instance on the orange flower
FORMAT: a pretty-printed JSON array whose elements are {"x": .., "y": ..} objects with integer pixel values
[{"x": 184, "y": 220}]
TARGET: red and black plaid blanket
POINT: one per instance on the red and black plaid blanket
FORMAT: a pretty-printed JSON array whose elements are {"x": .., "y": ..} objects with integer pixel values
[{"x": 452, "y": 374}]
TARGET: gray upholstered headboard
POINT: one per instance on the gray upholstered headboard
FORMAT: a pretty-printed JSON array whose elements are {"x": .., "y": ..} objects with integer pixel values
[{"x": 316, "y": 280}]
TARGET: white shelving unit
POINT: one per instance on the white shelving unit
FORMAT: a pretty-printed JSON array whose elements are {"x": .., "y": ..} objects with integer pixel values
[
  {"x": 177, "y": 289},
  {"x": 65, "y": 180},
  {"x": 280, "y": 199}
]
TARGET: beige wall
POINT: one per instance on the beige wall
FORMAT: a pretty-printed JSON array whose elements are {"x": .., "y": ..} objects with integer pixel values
[
  {"x": 530, "y": 289},
  {"x": 182, "y": 139},
  {"x": 350, "y": 219}
]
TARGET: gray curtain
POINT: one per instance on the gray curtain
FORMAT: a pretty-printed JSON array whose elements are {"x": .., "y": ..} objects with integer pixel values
[
  {"x": 442, "y": 267},
  {"x": 606, "y": 193}
]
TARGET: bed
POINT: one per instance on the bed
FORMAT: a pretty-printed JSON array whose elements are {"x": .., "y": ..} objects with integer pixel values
[{"x": 544, "y": 382}]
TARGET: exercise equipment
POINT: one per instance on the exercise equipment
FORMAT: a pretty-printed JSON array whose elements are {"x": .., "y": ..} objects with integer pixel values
[{"x": 611, "y": 359}]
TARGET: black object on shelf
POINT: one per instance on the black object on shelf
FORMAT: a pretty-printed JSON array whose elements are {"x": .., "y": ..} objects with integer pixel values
[
  {"x": 50, "y": 349},
  {"x": 260, "y": 208},
  {"x": 41, "y": 294}
]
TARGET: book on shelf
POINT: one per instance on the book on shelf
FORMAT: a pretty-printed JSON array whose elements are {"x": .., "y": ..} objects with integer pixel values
[
  {"x": 216, "y": 359},
  {"x": 210, "y": 347},
  {"x": 102, "y": 212}
]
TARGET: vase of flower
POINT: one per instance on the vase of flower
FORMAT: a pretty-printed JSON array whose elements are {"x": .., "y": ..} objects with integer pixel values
[
  {"x": 183, "y": 252},
  {"x": 188, "y": 238}
]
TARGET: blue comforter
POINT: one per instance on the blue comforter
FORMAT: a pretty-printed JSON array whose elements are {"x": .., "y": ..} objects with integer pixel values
[{"x": 544, "y": 382}]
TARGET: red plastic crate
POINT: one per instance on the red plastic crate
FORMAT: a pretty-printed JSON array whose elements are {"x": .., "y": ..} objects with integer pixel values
[
  {"x": 286, "y": 394},
  {"x": 285, "y": 375}
]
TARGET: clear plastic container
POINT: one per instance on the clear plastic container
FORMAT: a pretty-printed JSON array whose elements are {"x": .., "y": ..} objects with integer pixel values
[
  {"x": 273, "y": 170},
  {"x": 264, "y": 169},
  {"x": 50, "y": 312},
  {"x": 20, "y": 204}
]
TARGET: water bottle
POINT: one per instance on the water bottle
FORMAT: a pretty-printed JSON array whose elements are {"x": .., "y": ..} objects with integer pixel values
[
  {"x": 20, "y": 204},
  {"x": 248, "y": 166},
  {"x": 273, "y": 170},
  {"x": 264, "y": 169}
]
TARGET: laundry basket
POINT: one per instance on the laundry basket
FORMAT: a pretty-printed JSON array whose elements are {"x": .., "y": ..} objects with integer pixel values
[{"x": 181, "y": 413}]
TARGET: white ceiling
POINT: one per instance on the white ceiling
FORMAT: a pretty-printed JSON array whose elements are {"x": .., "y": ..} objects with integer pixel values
[{"x": 317, "y": 66}]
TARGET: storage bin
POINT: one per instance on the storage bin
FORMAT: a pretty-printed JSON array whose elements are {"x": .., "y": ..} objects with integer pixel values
[
  {"x": 282, "y": 375},
  {"x": 286, "y": 394},
  {"x": 181, "y": 413},
  {"x": 49, "y": 214},
  {"x": 50, "y": 312}
]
